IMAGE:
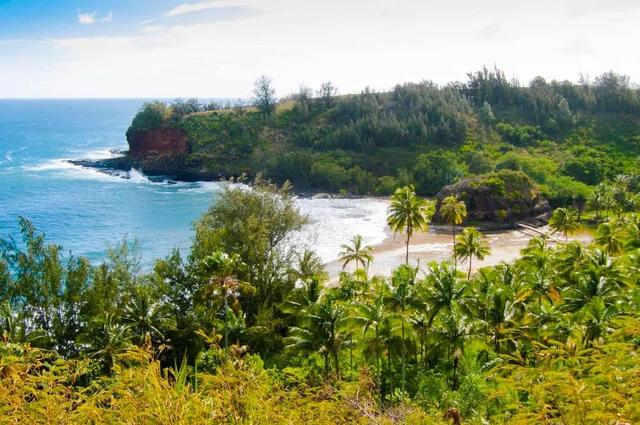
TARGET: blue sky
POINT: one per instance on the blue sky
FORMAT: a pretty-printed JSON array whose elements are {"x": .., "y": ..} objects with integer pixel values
[{"x": 170, "y": 48}]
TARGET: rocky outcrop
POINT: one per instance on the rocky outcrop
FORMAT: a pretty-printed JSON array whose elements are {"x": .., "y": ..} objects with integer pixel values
[
  {"x": 158, "y": 151},
  {"x": 502, "y": 197}
]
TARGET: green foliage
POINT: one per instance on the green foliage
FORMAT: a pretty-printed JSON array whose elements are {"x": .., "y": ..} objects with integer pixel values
[
  {"x": 434, "y": 170},
  {"x": 151, "y": 115},
  {"x": 519, "y": 135},
  {"x": 244, "y": 331}
]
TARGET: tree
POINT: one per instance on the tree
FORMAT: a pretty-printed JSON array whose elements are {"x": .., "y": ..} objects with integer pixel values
[
  {"x": 264, "y": 95},
  {"x": 310, "y": 267},
  {"x": 356, "y": 253},
  {"x": 327, "y": 93},
  {"x": 471, "y": 243},
  {"x": 564, "y": 220},
  {"x": 486, "y": 114},
  {"x": 147, "y": 316},
  {"x": 399, "y": 300},
  {"x": 372, "y": 315},
  {"x": 408, "y": 213},
  {"x": 436, "y": 169},
  {"x": 256, "y": 225},
  {"x": 321, "y": 331},
  {"x": 107, "y": 339},
  {"x": 453, "y": 212},
  {"x": 303, "y": 100}
]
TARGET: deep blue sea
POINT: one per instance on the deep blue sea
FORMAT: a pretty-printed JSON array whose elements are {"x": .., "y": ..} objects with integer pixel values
[
  {"x": 86, "y": 211},
  {"x": 83, "y": 210}
]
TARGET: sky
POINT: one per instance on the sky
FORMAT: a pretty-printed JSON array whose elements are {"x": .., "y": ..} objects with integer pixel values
[{"x": 205, "y": 48}]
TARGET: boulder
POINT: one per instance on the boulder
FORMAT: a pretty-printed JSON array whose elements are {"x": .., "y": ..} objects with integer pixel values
[{"x": 504, "y": 196}]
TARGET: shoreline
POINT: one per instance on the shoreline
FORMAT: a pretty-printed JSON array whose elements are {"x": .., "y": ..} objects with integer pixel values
[{"x": 437, "y": 245}]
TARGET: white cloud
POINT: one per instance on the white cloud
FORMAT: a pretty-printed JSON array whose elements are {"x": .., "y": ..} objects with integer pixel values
[
  {"x": 91, "y": 18},
  {"x": 87, "y": 18},
  {"x": 195, "y": 7},
  {"x": 375, "y": 43}
]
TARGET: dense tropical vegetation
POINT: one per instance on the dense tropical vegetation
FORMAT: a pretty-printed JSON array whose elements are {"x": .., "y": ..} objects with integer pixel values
[
  {"x": 566, "y": 137},
  {"x": 247, "y": 329}
]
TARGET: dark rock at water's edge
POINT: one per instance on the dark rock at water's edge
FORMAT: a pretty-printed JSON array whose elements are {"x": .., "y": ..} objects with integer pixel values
[{"x": 499, "y": 200}]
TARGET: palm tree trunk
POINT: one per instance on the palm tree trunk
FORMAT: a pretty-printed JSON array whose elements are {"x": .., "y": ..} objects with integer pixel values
[
  {"x": 403, "y": 358},
  {"x": 336, "y": 360},
  {"x": 454, "y": 384},
  {"x": 389, "y": 368},
  {"x": 406, "y": 257},
  {"x": 379, "y": 371},
  {"x": 455, "y": 258},
  {"x": 469, "y": 273},
  {"x": 226, "y": 330}
]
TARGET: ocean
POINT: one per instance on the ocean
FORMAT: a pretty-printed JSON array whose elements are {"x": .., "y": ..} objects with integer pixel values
[{"x": 87, "y": 211}]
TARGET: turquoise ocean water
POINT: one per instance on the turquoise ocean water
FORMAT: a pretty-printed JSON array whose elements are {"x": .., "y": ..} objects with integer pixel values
[
  {"x": 86, "y": 211},
  {"x": 82, "y": 209}
]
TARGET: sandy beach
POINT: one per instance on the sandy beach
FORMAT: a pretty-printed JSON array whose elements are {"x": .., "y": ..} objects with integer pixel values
[{"x": 436, "y": 244}]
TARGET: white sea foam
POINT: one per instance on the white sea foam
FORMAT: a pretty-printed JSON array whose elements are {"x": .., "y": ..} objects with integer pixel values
[
  {"x": 136, "y": 176},
  {"x": 333, "y": 222}
]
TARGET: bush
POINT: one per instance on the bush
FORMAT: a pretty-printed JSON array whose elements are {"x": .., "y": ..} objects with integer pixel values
[
  {"x": 519, "y": 135},
  {"x": 151, "y": 115}
]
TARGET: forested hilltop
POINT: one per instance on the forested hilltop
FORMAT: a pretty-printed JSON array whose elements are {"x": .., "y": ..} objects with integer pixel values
[
  {"x": 246, "y": 330},
  {"x": 564, "y": 136}
]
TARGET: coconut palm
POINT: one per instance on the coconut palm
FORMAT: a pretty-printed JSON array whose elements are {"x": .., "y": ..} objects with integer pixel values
[
  {"x": 612, "y": 236},
  {"x": 599, "y": 200},
  {"x": 564, "y": 220},
  {"x": 454, "y": 330},
  {"x": 321, "y": 331},
  {"x": 399, "y": 299},
  {"x": 444, "y": 289},
  {"x": 310, "y": 266},
  {"x": 356, "y": 253},
  {"x": 471, "y": 243},
  {"x": 601, "y": 276},
  {"x": 106, "y": 340},
  {"x": 409, "y": 213},
  {"x": 147, "y": 316},
  {"x": 372, "y": 316},
  {"x": 453, "y": 212},
  {"x": 597, "y": 315}
]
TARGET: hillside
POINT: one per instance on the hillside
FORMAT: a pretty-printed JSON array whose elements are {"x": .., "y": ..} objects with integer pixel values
[{"x": 566, "y": 137}]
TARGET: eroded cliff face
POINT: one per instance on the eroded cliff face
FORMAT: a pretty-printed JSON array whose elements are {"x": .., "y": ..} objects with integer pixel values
[
  {"x": 160, "y": 151},
  {"x": 159, "y": 141}
]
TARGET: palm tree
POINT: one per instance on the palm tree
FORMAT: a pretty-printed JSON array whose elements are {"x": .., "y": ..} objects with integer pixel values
[
  {"x": 471, "y": 243},
  {"x": 147, "y": 316},
  {"x": 408, "y": 213},
  {"x": 310, "y": 266},
  {"x": 612, "y": 236},
  {"x": 356, "y": 253},
  {"x": 400, "y": 298},
  {"x": 372, "y": 315},
  {"x": 321, "y": 331},
  {"x": 597, "y": 316},
  {"x": 106, "y": 340},
  {"x": 453, "y": 212},
  {"x": 444, "y": 289},
  {"x": 455, "y": 329},
  {"x": 564, "y": 220}
]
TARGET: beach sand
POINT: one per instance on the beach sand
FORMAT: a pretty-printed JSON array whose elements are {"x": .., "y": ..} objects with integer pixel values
[{"x": 437, "y": 245}]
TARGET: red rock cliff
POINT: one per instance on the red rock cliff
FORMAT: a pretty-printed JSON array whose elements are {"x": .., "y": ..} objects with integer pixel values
[{"x": 158, "y": 142}]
